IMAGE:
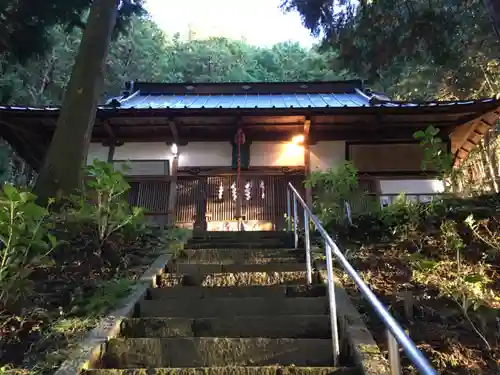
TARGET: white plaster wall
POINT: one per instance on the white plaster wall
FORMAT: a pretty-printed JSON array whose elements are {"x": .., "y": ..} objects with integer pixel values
[
  {"x": 194, "y": 154},
  {"x": 143, "y": 151},
  {"x": 97, "y": 151},
  {"x": 327, "y": 154},
  {"x": 276, "y": 154},
  {"x": 144, "y": 167},
  {"x": 209, "y": 154},
  {"x": 427, "y": 186}
]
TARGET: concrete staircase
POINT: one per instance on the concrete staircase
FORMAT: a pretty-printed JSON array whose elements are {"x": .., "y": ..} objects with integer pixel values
[{"x": 231, "y": 303}]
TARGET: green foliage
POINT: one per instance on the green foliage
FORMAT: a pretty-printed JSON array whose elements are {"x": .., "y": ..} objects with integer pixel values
[
  {"x": 465, "y": 284},
  {"x": 481, "y": 231},
  {"x": 410, "y": 49},
  {"x": 146, "y": 53},
  {"x": 400, "y": 220},
  {"x": 22, "y": 40},
  {"x": 332, "y": 188},
  {"x": 25, "y": 241},
  {"x": 402, "y": 217},
  {"x": 104, "y": 202},
  {"x": 435, "y": 155},
  {"x": 175, "y": 238},
  {"x": 105, "y": 296}
]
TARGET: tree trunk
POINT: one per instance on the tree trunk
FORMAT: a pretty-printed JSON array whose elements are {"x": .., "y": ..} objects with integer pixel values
[
  {"x": 487, "y": 168},
  {"x": 62, "y": 170},
  {"x": 492, "y": 161},
  {"x": 493, "y": 9}
]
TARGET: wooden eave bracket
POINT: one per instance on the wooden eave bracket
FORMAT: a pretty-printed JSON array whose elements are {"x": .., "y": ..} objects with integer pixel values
[{"x": 469, "y": 139}]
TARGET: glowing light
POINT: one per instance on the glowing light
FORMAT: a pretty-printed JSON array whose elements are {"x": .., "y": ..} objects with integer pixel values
[
  {"x": 298, "y": 139},
  {"x": 290, "y": 154},
  {"x": 174, "y": 149}
]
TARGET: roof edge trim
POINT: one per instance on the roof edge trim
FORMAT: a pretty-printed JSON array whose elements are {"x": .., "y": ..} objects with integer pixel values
[
  {"x": 235, "y": 88},
  {"x": 131, "y": 96}
]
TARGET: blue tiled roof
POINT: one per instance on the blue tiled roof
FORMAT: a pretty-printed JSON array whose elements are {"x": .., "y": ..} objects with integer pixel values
[
  {"x": 245, "y": 101},
  {"x": 263, "y": 95}
]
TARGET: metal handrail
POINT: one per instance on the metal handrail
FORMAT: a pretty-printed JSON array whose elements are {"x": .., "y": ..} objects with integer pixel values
[{"x": 396, "y": 334}]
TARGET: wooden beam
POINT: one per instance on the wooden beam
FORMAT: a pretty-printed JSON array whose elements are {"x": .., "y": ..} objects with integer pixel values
[
  {"x": 107, "y": 127},
  {"x": 229, "y": 171},
  {"x": 307, "y": 127},
  {"x": 173, "y": 128},
  {"x": 111, "y": 152},
  {"x": 486, "y": 123},
  {"x": 205, "y": 135},
  {"x": 139, "y": 178},
  {"x": 24, "y": 144},
  {"x": 307, "y": 162},
  {"x": 172, "y": 194}
]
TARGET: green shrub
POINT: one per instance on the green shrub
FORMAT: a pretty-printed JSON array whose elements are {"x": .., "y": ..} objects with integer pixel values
[
  {"x": 332, "y": 188},
  {"x": 25, "y": 241},
  {"x": 103, "y": 202}
]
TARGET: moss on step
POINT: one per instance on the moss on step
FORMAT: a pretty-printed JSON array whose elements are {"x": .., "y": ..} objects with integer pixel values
[
  {"x": 229, "y": 370},
  {"x": 270, "y": 291},
  {"x": 234, "y": 279},
  {"x": 207, "y": 352},
  {"x": 291, "y": 326},
  {"x": 228, "y": 307},
  {"x": 256, "y": 256},
  {"x": 203, "y": 269}
]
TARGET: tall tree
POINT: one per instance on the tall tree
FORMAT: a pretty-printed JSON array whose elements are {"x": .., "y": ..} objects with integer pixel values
[
  {"x": 386, "y": 40},
  {"x": 25, "y": 24},
  {"x": 62, "y": 169},
  {"x": 146, "y": 53}
]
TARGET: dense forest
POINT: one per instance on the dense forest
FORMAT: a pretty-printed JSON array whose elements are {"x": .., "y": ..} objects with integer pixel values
[
  {"x": 411, "y": 48},
  {"x": 410, "y": 53},
  {"x": 146, "y": 53}
]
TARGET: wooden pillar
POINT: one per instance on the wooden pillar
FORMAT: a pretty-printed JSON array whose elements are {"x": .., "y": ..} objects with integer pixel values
[
  {"x": 200, "y": 224},
  {"x": 307, "y": 161},
  {"x": 111, "y": 152},
  {"x": 172, "y": 195}
]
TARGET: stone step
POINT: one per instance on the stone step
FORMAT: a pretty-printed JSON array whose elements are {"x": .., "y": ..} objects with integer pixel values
[
  {"x": 243, "y": 235},
  {"x": 241, "y": 255},
  {"x": 271, "y": 292},
  {"x": 239, "y": 260},
  {"x": 216, "y": 307},
  {"x": 232, "y": 370},
  {"x": 289, "y": 326},
  {"x": 207, "y": 352},
  {"x": 235, "y": 279},
  {"x": 242, "y": 238},
  {"x": 204, "y": 269},
  {"x": 267, "y": 244}
]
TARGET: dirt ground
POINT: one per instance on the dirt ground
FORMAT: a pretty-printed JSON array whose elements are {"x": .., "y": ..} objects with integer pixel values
[
  {"x": 64, "y": 299},
  {"x": 433, "y": 319}
]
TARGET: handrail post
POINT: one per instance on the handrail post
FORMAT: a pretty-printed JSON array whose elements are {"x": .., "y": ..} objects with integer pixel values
[
  {"x": 332, "y": 303},
  {"x": 398, "y": 336},
  {"x": 307, "y": 241},
  {"x": 288, "y": 210},
  {"x": 348, "y": 212},
  {"x": 295, "y": 224},
  {"x": 394, "y": 360}
]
